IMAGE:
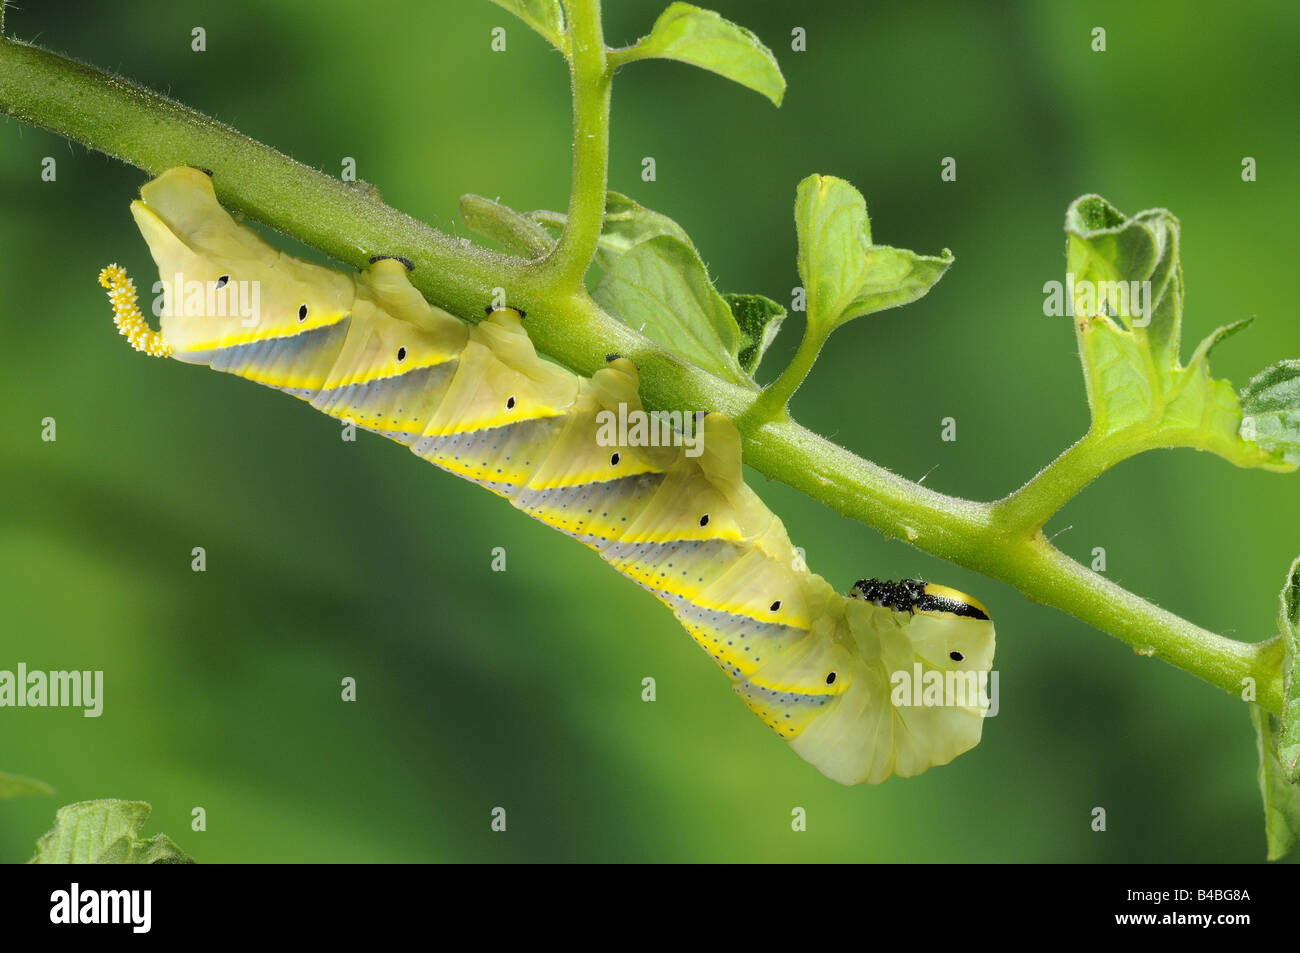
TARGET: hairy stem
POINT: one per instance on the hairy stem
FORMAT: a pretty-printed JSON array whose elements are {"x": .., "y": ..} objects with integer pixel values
[
  {"x": 107, "y": 113},
  {"x": 1026, "y": 510},
  {"x": 773, "y": 401},
  {"x": 567, "y": 263}
]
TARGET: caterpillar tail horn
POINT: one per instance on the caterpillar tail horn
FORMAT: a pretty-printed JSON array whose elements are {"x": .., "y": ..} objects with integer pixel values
[{"x": 127, "y": 316}]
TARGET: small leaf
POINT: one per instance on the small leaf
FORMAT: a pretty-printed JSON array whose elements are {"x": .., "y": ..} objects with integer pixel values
[
  {"x": 628, "y": 223},
  {"x": 647, "y": 259},
  {"x": 662, "y": 289},
  {"x": 519, "y": 234},
  {"x": 1281, "y": 797},
  {"x": 105, "y": 832},
  {"x": 844, "y": 274},
  {"x": 896, "y": 276},
  {"x": 544, "y": 16},
  {"x": 702, "y": 38},
  {"x": 1288, "y": 623},
  {"x": 1271, "y": 403},
  {"x": 759, "y": 319},
  {"x": 1125, "y": 283},
  {"x": 15, "y": 785}
]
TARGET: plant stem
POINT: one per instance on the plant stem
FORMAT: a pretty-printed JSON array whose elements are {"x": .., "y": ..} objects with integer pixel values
[
  {"x": 567, "y": 263},
  {"x": 107, "y": 113},
  {"x": 1028, "y": 509},
  {"x": 773, "y": 402}
]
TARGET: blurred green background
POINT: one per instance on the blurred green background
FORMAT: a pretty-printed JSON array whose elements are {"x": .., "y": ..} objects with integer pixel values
[{"x": 478, "y": 689}]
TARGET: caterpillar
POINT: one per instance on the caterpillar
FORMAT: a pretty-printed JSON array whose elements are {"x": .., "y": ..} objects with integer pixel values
[{"x": 830, "y": 674}]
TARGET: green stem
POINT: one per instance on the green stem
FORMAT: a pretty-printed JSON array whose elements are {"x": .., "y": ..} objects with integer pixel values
[
  {"x": 1028, "y": 509},
  {"x": 107, "y": 113},
  {"x": 773, "y": 402},
  {"x": 567, "y": 263}
]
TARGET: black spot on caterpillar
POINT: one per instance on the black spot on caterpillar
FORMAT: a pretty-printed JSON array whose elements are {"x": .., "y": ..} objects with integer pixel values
[{"x": 479, "y": 402}]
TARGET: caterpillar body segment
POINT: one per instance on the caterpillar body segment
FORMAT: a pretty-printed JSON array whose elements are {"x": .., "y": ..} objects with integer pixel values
[{"x": 825, "y": 671}]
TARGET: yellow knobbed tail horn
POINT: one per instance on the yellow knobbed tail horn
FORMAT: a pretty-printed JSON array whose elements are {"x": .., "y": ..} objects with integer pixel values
[{"x": 126, "y": 313}]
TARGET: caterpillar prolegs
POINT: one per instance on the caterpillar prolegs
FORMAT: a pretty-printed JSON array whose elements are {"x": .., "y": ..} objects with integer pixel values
[{"x": 838, "y": 677}]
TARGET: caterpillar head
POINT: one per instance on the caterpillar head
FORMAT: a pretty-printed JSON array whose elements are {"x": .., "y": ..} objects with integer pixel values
[
  {"x": 222, "y": 285},
  {"x": 910, "y": 663}
]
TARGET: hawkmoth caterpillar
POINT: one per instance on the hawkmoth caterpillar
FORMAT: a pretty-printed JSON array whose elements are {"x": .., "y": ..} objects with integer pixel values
[{"x": 821, "y": 669}]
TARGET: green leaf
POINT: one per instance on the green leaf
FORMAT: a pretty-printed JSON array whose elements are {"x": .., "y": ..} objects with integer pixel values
[
  {"x": 517, "y": 233},
  {"x": 896, "y": 276},
  {"x": 844, "y": 274},
  {"x": 661, "y": 288},
  {"x": 105, "y": 832},
  {"x": 1270, "y": 405},
  {"x": 702, "y": 38},
  {"x": 655, "y": 282},
  {"x": 759, "y": 319},
  {"x": 544, "y": 16},
  {"x": 1281, "y": 797},
  {"x": 1288, "y": 623},
  {"x": 1125, "y": 293},
  {"x": 628, "y": 223},
  {"x": 15, "y": 785}
]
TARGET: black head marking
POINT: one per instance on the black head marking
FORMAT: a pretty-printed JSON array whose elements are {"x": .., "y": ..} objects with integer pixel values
[
  {"x": 901, "y": 596},
  {"x": 611, "y": 358},
  {"x": 910, "y": 595}
]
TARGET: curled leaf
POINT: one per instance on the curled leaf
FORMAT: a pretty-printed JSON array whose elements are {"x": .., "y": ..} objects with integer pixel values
[
  {"x": 1124, "y": 290},
  {"x": 518, "y": 233}
]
